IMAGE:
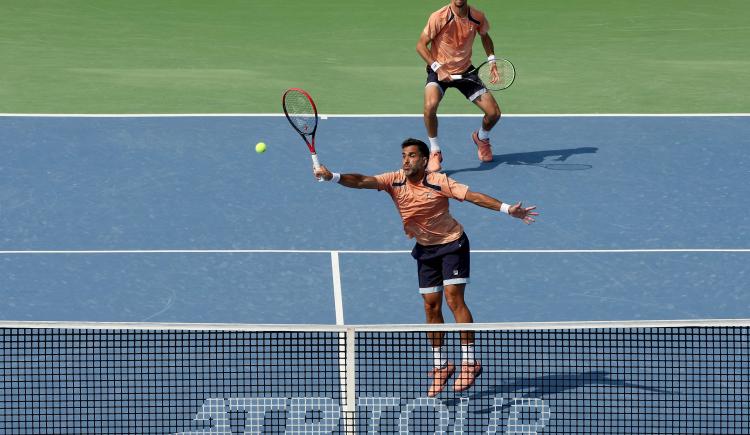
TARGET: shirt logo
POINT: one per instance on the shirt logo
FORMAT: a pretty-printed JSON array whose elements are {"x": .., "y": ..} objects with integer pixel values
[{"x": 455, "y": 272}]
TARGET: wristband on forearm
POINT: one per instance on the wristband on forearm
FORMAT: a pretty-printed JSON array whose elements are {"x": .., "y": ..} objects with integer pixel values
[
  {"x": 436, "y": 65},
  {"x": 336, "y": 178},
  {"x": 491, "y": 58},
  {"x": 505, "y": 208}
]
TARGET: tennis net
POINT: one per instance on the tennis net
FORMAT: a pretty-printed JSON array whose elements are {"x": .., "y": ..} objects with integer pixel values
[{"x": 689, "y": 377}]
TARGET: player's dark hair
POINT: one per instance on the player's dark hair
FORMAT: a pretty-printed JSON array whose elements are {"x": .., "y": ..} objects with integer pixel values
[{"x": 423, "y": 148}]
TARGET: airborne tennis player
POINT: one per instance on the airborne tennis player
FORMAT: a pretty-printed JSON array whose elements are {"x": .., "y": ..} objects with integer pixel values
[{"x": 441, "y": 249}]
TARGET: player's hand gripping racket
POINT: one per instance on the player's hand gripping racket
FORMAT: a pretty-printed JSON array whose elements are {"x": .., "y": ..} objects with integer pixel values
[
  {"x": 301, "y": 112},
  {"x": 494, "y": 79}
]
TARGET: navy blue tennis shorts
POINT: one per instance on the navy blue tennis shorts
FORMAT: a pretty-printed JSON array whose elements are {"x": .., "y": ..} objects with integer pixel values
[
  {"x": 441, "y": 265},
  {"x": 471, "y": 89}
]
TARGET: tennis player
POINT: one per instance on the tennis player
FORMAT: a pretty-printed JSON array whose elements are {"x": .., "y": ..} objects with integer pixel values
[
  {"x": 445, "y": 44},
  {"x": 441, "y": 249}
]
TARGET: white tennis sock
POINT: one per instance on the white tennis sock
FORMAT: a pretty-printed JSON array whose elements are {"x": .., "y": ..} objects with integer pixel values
[
  {"x": 467, "y": 350},
  {"x": 439, "y": 358},
  {"x": 484, "y": 134},
  {"x": 434, "y": 147}
]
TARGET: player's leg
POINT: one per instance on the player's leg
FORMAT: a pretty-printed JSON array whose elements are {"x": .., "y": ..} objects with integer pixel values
[
  {"x": 434, "y": 314},
  {"x": 471, "y": 368},
  {"x": 433, "y": 94},
  {"x": 431, "y": 289},
  {"x": 456, "y": 271},
  {"x": 432, "y": 97},
  {"x": 491, "y": 109},
  {"x": 481, "y": 137},
  {"x": 442, "y": 369},
  {"x": 454, "y": 297},
  {"x": 475, "y": 92}
]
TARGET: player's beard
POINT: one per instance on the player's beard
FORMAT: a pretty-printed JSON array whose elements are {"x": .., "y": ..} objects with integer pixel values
[{"x": 412, "y": 170}]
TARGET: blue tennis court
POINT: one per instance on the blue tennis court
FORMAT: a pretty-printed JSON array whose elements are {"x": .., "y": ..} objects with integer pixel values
[{"x": 177, "y": 219}]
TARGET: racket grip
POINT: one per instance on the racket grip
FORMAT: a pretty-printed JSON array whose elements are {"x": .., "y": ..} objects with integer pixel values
[{"x": 316, "y": 164}]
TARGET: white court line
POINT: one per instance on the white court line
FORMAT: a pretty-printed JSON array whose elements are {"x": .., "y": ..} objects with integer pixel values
[
  {"x": 554, "y": 115},
  {"x": 569, "y": 251},
  {"x": 338, "y": 300},
  {"x": 382, "y": 115},
  {"x": 331, "y": 252}
]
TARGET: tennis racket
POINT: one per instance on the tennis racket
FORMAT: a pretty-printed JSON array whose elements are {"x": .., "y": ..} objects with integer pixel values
[
  {"x": 506, "y": 73},
  {"x": 301, "y": 112}
]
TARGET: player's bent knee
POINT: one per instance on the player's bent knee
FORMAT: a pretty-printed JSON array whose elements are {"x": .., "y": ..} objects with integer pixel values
[
  {"x": 432, "y": 311},
  {"x": 493, "y": 117},
  {"x": 433, "y": 303},
  {"x": 456, "y": 304},
  {"x": 494, "y": 113},
  {"x": 455, "y": 300},
  {"x": 431, "y": 107}
]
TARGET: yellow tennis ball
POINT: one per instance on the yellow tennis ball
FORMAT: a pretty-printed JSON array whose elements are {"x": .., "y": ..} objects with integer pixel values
[{"x": 260, "y": 147}]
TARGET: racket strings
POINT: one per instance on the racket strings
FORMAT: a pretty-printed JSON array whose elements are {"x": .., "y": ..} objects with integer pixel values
[
  {"x": 504, "y": 69},
  {"x": 300, "y": 111}
]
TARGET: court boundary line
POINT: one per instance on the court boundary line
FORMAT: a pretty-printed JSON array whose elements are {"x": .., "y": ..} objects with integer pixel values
[
  {"x": 338, "y": 251},
  {"x": 375, "y": 115},
  {"x": 505, "y": 326},
  {"x": 338, "y": 298}
]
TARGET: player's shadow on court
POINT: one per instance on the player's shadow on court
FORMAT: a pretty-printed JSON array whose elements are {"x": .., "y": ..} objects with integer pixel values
[
  {"x": 546, "y": 386},
  {"x": 550, "y": 159}
]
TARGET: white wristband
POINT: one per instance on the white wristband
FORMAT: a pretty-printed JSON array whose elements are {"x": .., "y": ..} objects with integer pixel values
[
  {"x": 505, "y": 208},
  {"x": 491, "y": 58},
  {"x": 336, "y": 177},
  {"x": 436, "y": 65}
]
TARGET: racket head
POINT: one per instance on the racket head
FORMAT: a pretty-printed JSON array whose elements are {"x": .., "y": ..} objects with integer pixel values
[
  {"x": 505, "y": 70},
  {"x": 301, "y": 113}
]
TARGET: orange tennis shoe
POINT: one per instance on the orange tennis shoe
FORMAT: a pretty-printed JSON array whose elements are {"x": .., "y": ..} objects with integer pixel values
[
  {"x": 484, "y": 149},
  {"x": 440, "y": 378},
  {"x": 469, "y": 373}
]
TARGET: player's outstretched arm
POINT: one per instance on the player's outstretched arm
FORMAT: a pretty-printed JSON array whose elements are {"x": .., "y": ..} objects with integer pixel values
[
  {"x": 355, "y": 181},
  {"x": 526, "y": 214}
]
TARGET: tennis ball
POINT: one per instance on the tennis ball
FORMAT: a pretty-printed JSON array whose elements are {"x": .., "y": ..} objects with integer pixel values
[{"x": 260, "y": 147}]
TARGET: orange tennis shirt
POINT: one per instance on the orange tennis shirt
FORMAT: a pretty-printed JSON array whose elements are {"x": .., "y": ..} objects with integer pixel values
[
  {"x": 424, "y": 207},
  {"x": 453, "y": 36}
]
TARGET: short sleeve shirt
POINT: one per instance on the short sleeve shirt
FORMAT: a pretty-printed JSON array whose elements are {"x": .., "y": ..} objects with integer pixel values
[
  {"x": 452, "y": 37},
  {"x": 424, "y": 207}
]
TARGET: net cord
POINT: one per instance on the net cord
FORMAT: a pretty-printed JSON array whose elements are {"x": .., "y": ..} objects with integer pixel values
[{"x": 523, "y": 326}]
